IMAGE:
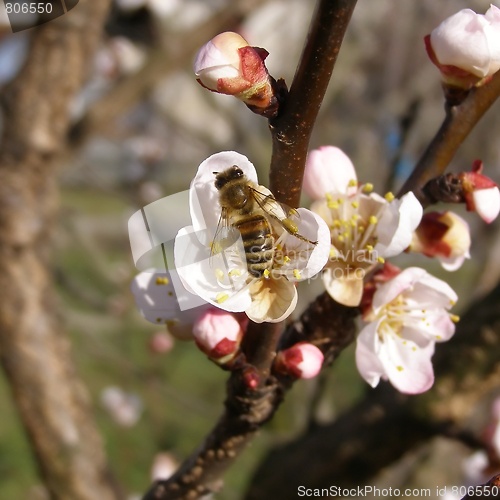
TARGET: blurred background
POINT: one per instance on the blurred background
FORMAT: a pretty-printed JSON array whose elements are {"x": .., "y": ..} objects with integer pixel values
[{"x": 140, "y": 128}]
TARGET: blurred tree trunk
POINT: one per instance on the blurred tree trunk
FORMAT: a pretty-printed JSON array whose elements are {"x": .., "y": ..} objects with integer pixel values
[{"x": 52, "y": 401}]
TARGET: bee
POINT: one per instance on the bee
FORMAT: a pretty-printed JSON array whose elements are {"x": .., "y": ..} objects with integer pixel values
[{"x": 253, "y": 214}]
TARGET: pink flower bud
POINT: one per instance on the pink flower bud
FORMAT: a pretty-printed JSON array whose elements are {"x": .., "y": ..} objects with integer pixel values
[
  {"x": 466, "y": 47},
  {"x": 443, "y": 235},
  {"x": 302, "y": 360},
  {"x": 481, "y": 194},
  {"x": 228, "y": 65},
  {"x": 328, "y": 170},
  {"x": 218, "y": 334}
]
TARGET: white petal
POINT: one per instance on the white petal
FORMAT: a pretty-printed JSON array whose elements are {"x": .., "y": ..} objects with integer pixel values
[
  {"x": 200, "y": 270},
  {"x": 396, "y": 225},
  {"x": 487, "y": 203},
  {"x": 204, "y": 196},
  {"x": 328, "y": 170},
  {"x": 407, "y": 366},
  {"x": 304, "y": 257}
]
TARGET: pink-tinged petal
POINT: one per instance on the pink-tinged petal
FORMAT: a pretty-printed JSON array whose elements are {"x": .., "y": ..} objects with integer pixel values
[
  {"x": 388, "y": 291},
  {"x": 204, "y": 196},
  {"x": 396, "y": 225},
  {"x": 272, "y": 300},
  {"x": 328, "y": 170},
  {"x": 487, "y": 203}
]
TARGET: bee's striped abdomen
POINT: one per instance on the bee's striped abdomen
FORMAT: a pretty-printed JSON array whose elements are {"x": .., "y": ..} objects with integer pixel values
[{"x": 258, "y": 243}]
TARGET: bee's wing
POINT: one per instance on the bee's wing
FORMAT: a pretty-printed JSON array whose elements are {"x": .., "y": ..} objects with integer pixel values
[
  {"x": 272, "y": 207},
  {"x": 284, "y": 215},
  {"x": 225, "y": 235}
]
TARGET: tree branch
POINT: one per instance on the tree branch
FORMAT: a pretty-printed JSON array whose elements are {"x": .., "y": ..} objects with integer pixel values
[
  {"x": 458, "y": 123},
  {"x": 292, "y": 128},
  {"x": 52, "y": 401}
]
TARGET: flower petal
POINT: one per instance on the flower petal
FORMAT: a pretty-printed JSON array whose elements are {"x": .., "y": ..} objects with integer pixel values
[
  {"x": 396, "y": 225},
  {"x": 328, "y": 170},
  {"x": 306, "y": 259},
  {"x": 487, "y": 203},
  {"x": 203, "y": 272},
  {"x": 204, "y": 196},
  {"x": 346, "y": 289},
  {"x": 273, "y": 300}
]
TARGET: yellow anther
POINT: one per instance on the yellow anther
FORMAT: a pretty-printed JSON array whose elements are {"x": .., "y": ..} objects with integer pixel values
[
  {"x": 286, "y": 259},
  {"x": 337, "y": 223},
  {"x": 333, "y": 204},
  {"x": 389, "y": 196},
  {"x": 221, "y": 297},
  {"x": 234, "y": 272},
  {"x": 399, "y": 368},
  {"x": 454, "y": 318},
  {"x": 266, "y": 273},
  {"x": 369, "y": 248},
  {"x": 333, "y": 253},
  {"x": 380, "y": 260},
  {"x": 296, "y": 274},
  {"x": 340, "y": 238},
  {"x": 355, "y": 204},
  {"x": 352, "y": 183},
  {"x": 373, "y": 220},
  {"x": 162, "y": 280},
  {"x": 219, "y": 273},
  {"x": 368, "y": 187}
]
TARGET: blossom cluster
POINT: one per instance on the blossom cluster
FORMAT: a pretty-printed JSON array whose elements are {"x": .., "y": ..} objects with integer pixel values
[{"x": 244, "y": 253}]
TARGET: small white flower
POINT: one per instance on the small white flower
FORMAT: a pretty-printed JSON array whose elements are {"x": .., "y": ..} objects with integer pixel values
[
  {"x": 408, "y": 315},
  {"x": 365, "y": 228},
  {"x": 125, "y": 408},
  {"x": 221, "y": 276}
]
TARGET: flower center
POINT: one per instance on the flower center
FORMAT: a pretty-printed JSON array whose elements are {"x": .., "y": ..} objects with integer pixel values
[{"x": 354, "y": 227}]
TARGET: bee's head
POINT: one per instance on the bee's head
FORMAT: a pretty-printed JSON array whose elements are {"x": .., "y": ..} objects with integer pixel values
[{"x": 230, "y": 174}]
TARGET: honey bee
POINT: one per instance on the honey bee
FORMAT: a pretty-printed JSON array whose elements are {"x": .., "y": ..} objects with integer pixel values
[{"x": 252, "y": 213}]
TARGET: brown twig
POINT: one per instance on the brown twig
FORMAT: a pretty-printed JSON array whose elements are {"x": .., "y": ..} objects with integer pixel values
[
  {"x": 458, "y": 123},
  {"x": 292, "y": 128}
]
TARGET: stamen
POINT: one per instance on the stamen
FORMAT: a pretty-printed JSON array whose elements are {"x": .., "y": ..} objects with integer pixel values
[
  {"x": 221, "y": 297},
  {"x": 389, "y": 197},
  {"x": 162, "y": 280}
]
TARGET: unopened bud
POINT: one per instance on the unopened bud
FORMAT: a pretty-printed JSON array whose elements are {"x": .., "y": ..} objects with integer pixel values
[
  {"x": 228, "y": 65},
  {"x": 302, "y": 360},
  {"x": 218, "y": 334}
]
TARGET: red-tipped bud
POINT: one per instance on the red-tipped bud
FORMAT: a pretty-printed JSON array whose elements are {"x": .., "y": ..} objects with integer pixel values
[
  {"x": 445, "y": 236},
  {"x": 466, "y": 47},
  {"x": 481, "y": 194},
  {"x": 218, "y": 334},
  {"x": 302, "y": 360},
  {"x": 228, "y": 65}
]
